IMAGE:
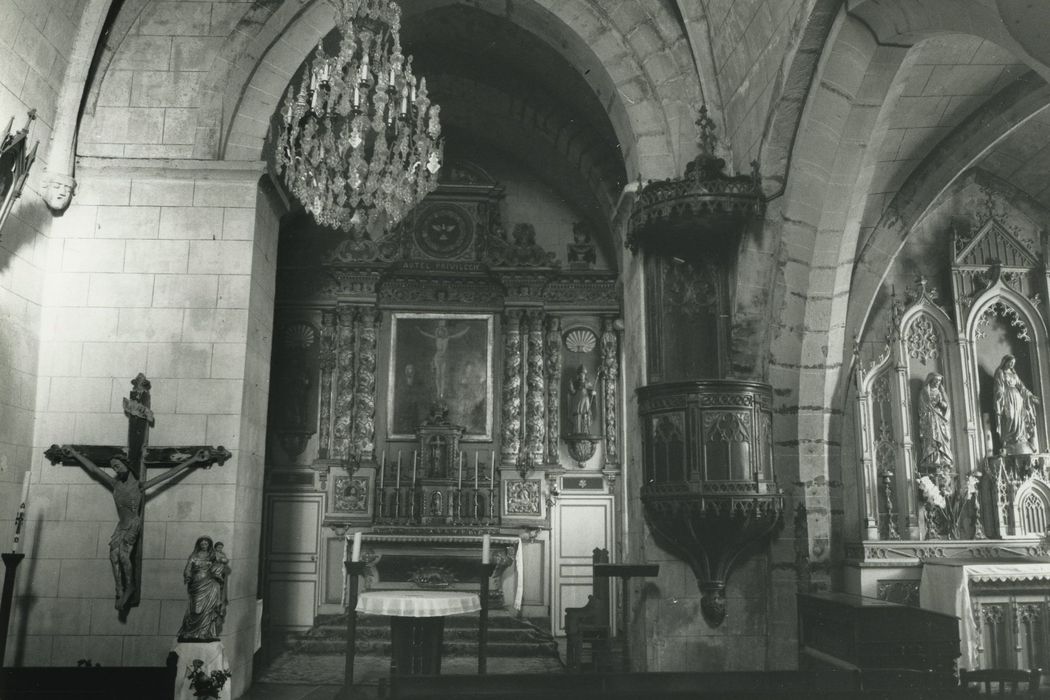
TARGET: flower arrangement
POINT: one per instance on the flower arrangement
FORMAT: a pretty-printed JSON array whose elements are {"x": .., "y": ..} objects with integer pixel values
[
  {"x": 203, "y": 684},
  {"x": 946, "y": 497}
]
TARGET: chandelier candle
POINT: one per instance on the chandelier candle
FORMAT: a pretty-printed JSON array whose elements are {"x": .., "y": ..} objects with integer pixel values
[{"x": 360, "y": 143}]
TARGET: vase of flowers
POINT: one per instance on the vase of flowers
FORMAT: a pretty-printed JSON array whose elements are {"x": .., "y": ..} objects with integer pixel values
[
  {"x": 946, "y": 498},
  {"x": 204, "y": 684}
]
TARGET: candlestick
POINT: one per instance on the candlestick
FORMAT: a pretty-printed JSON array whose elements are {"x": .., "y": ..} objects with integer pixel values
[
  {"x": 486, "y": 542},
  {"x": 20, "y": 515},
  {"x": 355, "y": 553}
]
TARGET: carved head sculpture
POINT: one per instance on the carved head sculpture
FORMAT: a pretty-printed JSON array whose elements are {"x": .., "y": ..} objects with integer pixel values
[
  {"x": 410, "y": 374},
  {"x": 934, "y": 380},
  {"x": 1007, "y": 362},
  {"x": 204, "y": 544},
  {"x": 119, "y": 464},
  {"x": 59, "y": 192},
  {"x": 580, "y": 233}
]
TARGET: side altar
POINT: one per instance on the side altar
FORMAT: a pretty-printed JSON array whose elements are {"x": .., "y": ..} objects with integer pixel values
[
  {"x": 432, "y": 384},
  {"x": 952, "y": 443}
]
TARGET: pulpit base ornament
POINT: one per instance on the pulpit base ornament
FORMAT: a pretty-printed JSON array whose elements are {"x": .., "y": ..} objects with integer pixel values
[{"x": 710, "y": 533}]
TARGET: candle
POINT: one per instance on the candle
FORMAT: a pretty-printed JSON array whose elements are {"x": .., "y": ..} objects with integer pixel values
[
  {"x": 25, "y": 487},
  {"x": 382, "y": 470},
  {"x": 475, "y": 471},
  {"x": 355, "y": 553},
  {"x": 486, "y": 542},
  {"x": 460, "y": 484},
  {"x": 397, "y": 484},
  {"x": 492, "y": 461},
  {"x": 415, "y": 462}
]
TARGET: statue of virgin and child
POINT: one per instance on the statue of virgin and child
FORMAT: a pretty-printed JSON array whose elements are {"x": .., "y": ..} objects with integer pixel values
[{"x": 205, "y": 575}]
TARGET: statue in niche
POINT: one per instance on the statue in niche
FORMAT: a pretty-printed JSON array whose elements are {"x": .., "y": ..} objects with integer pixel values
[
  {"x": 205, "y": 577},
  {"x": 1015, "y": 410},
  {"x": 935, "y": 426},
  {"x": 581, "y": 400}
]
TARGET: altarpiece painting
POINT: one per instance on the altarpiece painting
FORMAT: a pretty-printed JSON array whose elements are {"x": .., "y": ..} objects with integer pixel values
[{"x": 440, "y": 358}]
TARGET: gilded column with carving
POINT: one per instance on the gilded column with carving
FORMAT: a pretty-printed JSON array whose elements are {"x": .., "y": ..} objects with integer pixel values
[
  {"x": 610, "y": 349},
  {"x": 327, "y": 363},
  {"x": 553, "y": 388},
  {"x": 344, "y": 383},
  {"x": 511, "y": 438},
  {"x": 535, "y": 398},
  {"x": 367, "y": 331}
]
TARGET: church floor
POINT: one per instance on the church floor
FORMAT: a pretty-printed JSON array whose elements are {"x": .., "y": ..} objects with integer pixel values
[{"x": 326, "y": 672}]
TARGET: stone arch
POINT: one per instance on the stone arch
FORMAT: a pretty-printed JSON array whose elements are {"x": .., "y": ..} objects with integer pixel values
[
  {"x": 646, "y": 78},
  {"x": 961, "y": 149},
  {"x": 819, "y": 218}
]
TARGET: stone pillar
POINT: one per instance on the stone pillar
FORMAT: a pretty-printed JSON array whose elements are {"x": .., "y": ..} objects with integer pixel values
[
  {"x": 535, "y": 401},
  {"x": 610, "y": 349},
  {"x": 344, "y": 383},
  {"x": 554, "y": 365},
  {"x": 327, "y": 361},
  {"x": 510, "y": 445},
  {"x": 167, "y": 270},
  {"x": 367, "y": 328}
]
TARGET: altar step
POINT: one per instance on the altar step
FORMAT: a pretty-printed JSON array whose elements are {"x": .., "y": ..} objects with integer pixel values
[{"x": 508, "y": 636}]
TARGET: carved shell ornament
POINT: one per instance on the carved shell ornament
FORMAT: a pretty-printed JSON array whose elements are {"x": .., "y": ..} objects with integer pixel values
[
  {"x": 580, "y": 340},
  {"x": 298, "y": 336}
]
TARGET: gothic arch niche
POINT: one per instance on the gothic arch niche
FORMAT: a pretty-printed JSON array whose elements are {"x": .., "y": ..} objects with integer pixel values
[{"x": 1001, "y": 327}]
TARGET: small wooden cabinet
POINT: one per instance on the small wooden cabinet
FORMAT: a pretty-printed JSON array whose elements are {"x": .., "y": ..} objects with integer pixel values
[{"x": 839, "y": 630}]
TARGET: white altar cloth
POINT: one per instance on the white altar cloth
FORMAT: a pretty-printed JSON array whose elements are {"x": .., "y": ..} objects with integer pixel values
[
  {"x": 945, "y": 587},
  {"x": 418, "y": 603}
]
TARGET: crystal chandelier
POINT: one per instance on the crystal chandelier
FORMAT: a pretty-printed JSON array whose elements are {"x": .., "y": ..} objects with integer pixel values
[{"x": 359, "y": 139}]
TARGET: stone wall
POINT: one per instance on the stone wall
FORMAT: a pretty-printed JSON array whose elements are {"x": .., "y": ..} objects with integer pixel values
[
  {"x": 169, "y": 271},
  {"x": 35, "y": 40}
]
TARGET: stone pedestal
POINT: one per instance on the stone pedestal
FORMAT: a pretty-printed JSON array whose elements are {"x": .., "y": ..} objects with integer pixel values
[{"x": 213, "y": 654}]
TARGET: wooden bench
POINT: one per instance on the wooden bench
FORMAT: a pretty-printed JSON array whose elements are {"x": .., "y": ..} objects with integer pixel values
[
  {"x": 588, "y": 626},
  {"x": 109, "y": 682}
]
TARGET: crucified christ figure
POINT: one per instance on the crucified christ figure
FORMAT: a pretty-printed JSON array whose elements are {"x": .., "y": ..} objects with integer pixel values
[
  {"x": 129, "y": 496},
  {"x": 439, "y": 362}
]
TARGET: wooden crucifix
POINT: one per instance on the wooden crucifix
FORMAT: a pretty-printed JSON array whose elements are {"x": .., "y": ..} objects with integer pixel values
[{"x": 130, "y": 483}]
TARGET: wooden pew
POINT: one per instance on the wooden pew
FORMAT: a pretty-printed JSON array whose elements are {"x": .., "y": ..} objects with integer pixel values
[{"x": 589, "y": 625}]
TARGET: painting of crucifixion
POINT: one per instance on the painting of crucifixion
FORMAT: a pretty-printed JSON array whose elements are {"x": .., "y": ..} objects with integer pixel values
[{"x": 440, "y": 359}]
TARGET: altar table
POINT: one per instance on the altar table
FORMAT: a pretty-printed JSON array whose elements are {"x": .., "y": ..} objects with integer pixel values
[
  {"x": 945, "y": 587},
  {"x": 417, "y": 623}
]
